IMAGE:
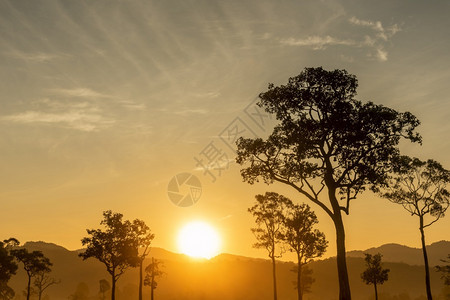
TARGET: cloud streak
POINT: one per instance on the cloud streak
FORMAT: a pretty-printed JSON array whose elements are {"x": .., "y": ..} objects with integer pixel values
[
  {"x": 78, "y": 120},
  {"x": 374, "y": 41}
]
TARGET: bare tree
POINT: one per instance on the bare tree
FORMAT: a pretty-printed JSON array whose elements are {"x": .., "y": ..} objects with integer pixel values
[
  {"x": 43, "y": 281},
  {"x": 421, "y": 188}
]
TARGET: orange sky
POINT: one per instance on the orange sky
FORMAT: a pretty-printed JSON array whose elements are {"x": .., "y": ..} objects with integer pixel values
[{"x": 103, "y": 103}]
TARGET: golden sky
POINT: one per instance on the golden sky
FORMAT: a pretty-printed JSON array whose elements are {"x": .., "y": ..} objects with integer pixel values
[{"x": 103, "y": 102}]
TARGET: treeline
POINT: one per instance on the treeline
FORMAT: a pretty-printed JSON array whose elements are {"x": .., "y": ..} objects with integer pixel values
[
  {"x": 119, "y": 245},
  {"x": 330, "y": 147}
]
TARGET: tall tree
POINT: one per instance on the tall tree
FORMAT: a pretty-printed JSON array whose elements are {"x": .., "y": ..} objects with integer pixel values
[
  {"x": 43, "y": 281},
  {"x": 269, "y": 213},
  {"x": 8, "y": 268},
  {"x": 421, "y": 188},
  {"x": 153, "y": 272},
  {"x": 307, "y": 242},
  {"x": 143, "y": 238},
  {"x": 114, "y": 246},
  {"x": 326, "y": 142},
  {"x": 374, "y": 274},
  {"x": 33, "y": 263}
]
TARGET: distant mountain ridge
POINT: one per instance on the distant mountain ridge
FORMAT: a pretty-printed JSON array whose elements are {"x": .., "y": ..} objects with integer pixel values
[
  {"x": 229, "y": 276},
  {"x": 404, "y": 254}
]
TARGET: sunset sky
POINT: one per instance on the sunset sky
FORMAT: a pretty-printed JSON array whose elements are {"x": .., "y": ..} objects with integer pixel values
[{"x": 103, "y": 102}]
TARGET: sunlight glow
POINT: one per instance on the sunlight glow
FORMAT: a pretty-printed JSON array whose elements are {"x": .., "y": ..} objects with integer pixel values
[{"x": 199, "y": 239}]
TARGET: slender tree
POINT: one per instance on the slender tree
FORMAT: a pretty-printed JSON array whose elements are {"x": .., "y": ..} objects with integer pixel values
[
  {"x": 33, "y": 263},
  {"x": 328, "y": 143},
  {"x": 114, "y": 246},
  {"x": 306, "y": 279},
  {"x": 43, "y": 281},
  {"x": 143, "y": 238},
  {"x": 104, "y": 288},
  {"x": 421, "y": 188},
  {"x": 153, "y": 272},
  {"x": 298, "y": 233},
  {"x": 269, "y": 213},
  {"x": 374, "y": 274}
]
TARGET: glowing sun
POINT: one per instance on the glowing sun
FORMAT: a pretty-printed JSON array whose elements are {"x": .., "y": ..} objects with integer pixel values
[{"x": 198, "y": 239}]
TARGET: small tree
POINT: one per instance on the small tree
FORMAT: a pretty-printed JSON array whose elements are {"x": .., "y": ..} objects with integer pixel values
[
  {"x": 445, "y": 270},
  {"x": 143, "y": 238},
  {"x": 374, "y": 274},
  {"x": 115, "y": 246},
  {"x": 153, "y": 272},
  {"x": 8, "y": 268},
  {"x": 43, "y": 281},
  {"x": 269, "y": 214},
  {"x": 421, "y": 188},
  {"x": 104, "y": 288},
  {"x": 306, "y": 242},
  {"x": 306, "y": 279},
  {"x": 33, "y": 263}
]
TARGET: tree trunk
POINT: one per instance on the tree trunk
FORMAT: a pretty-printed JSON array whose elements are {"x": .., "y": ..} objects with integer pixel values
[
  {"x": 299, "y": 279},
  {"x": 140, "y": 278},
  {"x": 28, "y": 287},
  {"x": 425, "y": 260},
  {"x": 113, "y": 288},
  {"x": 153, "y": 282},
  {"x": 376, "y": 292},
  {"x": 344, "y": 285},
  {"x": 274, "y": 275}
]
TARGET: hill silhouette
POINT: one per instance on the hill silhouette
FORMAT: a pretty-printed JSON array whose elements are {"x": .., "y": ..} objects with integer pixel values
[
  {"x": 228, "y": 276},
  {"x": 408, "y": 255}
]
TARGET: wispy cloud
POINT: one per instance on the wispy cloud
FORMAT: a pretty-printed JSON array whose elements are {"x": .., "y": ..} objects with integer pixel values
[
  {"x": 78, "y": 115},
  {"x": 78, "y": 120},
  {"x": 377, "y": 26},
  {"x": 317, "y": 42},
  {"x": 79, "y": 92},
  {"x": 374, "y": 41},
  {"x": 37, "y": 57}
]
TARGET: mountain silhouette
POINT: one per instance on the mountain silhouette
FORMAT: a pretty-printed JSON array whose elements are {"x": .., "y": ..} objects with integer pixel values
[{"x": 229, "y": 276}]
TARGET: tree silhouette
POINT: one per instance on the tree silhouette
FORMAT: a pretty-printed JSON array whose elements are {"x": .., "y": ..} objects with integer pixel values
[
  {"x": 33, "y": 263},
  {"x": 326, "y": 142},
  {"x": 43, "y": 281},
  {"x": 420, "y": 187},
  {"x": 153, "y": 272},
  {"x": 104, "y": 288},
  {"x": 143, "y": 238},
  {"x": 306, "y": 242},
  {"x": 374, "y": 274},
  {"x": 269, "y": 214},
  {"x": 445, "y": 270},
  {"x": 8, "y": 267},
  {"x": 306, "y": 279},
  {"x": 115, "y": 246}
]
